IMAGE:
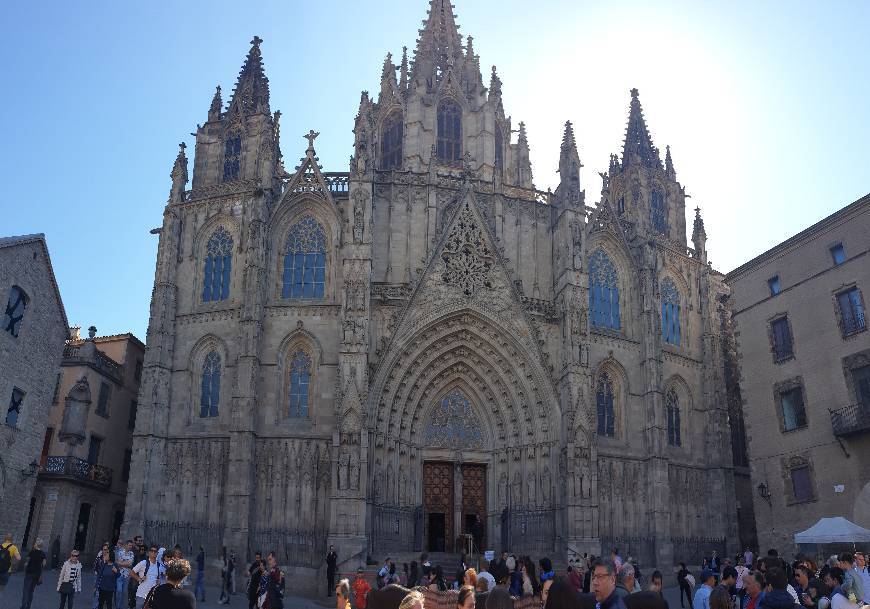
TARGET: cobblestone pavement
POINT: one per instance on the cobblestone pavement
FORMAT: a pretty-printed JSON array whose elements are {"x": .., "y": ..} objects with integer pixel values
[{"x": 46, "y": 596}]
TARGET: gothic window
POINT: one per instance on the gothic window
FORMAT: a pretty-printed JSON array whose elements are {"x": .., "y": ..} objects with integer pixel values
[
  {"x": 851, "y": 306},
  {"x": 499, "y": 146},
  {"x": 15, "y": 306},
  {"x": 300, "y": 379},
  {"x": 218, "y": 264},
  {"x": 659, "y": 212},
  {"x": 672, "y": 405},
  {"x": 14, "y": 411},
  {"x": 391, "y": 141},
  {"x": 670, "y": 312},
  {"x": 232, "y": 157},
  {"x": 449, "y": 145},
  {"x": 603, "y": 292},
  {"x": 604, "y": 403},
  {"x": 210, "y": 388},
  {"x": 620, "y": 205},
  {"x": 780, "y": 330},
  {"x": 305, "y": 261}
]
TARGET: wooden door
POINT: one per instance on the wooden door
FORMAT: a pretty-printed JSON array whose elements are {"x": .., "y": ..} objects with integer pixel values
[{"x": 438, "y": 499}]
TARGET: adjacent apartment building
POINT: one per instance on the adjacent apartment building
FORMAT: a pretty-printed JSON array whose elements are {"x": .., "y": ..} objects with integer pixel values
[
  {"x": 800, "y": 317},
  {"x": 85, "y": 461},
  {"x": 33, "y": 328}
]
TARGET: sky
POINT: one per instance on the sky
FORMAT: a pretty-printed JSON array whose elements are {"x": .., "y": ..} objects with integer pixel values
[{"x": 763, "y": 104}]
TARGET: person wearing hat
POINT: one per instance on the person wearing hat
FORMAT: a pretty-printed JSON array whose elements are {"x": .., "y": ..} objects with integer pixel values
[
  {"x": 702, "y": 594},
  {"x": 361, "y": 588}
]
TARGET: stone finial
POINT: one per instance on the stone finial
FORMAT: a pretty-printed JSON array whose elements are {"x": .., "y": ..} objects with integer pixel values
[
  {"x": 92, "y": 332},
  {"x": 75, "y": 332},
  {"x": 311, "y": 136}
]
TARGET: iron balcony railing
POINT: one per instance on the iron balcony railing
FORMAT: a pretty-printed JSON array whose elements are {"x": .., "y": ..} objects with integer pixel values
[
  {"x": 74, "y": 468},
  {"x": 851, "y": 419}
]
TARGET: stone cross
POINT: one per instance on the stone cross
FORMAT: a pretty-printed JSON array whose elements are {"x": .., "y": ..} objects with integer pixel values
[
  {"x": 256, "y": 41},
  {"x": 311, "y": 136}
]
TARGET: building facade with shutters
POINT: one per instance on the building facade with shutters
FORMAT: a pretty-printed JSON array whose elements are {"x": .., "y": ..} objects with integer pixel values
[
  {"x": 426, "y": 347},
  {"x": 804, "y": 351},
  {"x": 33, "y": 328},
  {"x": 87, "y": 447}
]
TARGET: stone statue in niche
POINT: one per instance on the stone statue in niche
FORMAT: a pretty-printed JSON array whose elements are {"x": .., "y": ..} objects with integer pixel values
[
  {"x": 530, "y": 482},
  {"x": 546, "y": 485},
  {"x": 577, "y": 244},
  {"x": 502, "y": 490},
  {"x": 517, "y": 490},
  {"x": 343, "y": 466},
  {"x": 353, "y": 481}
]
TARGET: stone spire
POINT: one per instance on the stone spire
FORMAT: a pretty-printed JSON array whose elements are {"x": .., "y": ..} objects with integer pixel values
[
  {"x": 524, "y": 164},
  {"x": 217, "y": 104},
  {"x": 669, "y": 164},
  {"x": 179, "y": 175},
  {"x": 699, "y": 236},
  {"x": 251, "y": 94},
  {"x": 439, "y": 45},
  {"x": 569, "y": 167},
  {"x": 638, "y": 148},
  {"x": 403, "y": 73},
  {"x": 495, "y": 87},
  {"x": 389, "y": 86}
]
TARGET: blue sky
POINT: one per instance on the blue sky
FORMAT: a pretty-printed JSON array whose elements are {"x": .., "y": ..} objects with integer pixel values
[{"x": 763, "y": 104}]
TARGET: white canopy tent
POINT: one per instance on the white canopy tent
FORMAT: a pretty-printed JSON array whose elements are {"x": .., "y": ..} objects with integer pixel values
[{"x": 833, "y": 530}]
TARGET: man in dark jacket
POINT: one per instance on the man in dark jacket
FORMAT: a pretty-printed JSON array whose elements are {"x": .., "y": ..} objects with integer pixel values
[
  {"x": 331, "y": 562},
  {"x": 777, "y": 596},
  {"x": 604, "y": 585}
]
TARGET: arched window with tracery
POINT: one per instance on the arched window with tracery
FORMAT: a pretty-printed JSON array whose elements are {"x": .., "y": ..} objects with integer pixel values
[
  {"x": 15, "y": 306},
  {"x": 659, "y": 212},
  {"x": 672, "y": 407},
  {"x": 449, "y": 144},
  {"x": 670, "y": 312},
  {"x": 232, "y": 157},
  {"x": 499, "y": 146},
  {"x": 300, "y": 379},
  {"x": 210, "y": 389},
  {"x": 391, "y": 141},
  {"x": 305, "y": 260},
  {"x": 603, "y": 292},
  {"x": 604, "y": 403},
  {"x": 218, "y": 265}
]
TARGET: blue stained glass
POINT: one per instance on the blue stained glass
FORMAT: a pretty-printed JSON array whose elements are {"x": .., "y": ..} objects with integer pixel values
[
  {"x": 659, "y": 212},
  {"x": 670, "y": 312},
  {"x": 672, "y": 406},
  {"x": 300, "y": 375},
  {"x": 210, "y": 386},
  {"x": 603, "y": 292},
  {"x": 218, "y": 266},
  {"x": 305, "y": 261},
  {"x": 604, "y": 404}
]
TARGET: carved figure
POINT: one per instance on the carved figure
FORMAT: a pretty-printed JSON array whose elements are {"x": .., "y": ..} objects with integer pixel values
[
  {"x": 353, "y": 481},
  {"x": 343, "y": 465}
]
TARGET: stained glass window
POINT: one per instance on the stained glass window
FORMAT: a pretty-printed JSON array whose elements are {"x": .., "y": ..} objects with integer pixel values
[
  {"x": 449, "y": 145},
  {"x": 670, "y": 312},
  {"x": 603, "y": 292},
  {"x": 672, "y": 406},
  {"x": 232, "y": 157},
  {"x": 218, "y": 264},
  {"x": 300, "y": 379},
  {"x": 604, "y": 403},
  {"x": 391, "y": 141},
  {"x": 659, "y": 212},
  {"x": 15, "y": 307},
  {"x": 305, "y": 261},
  {"x": 210, "y": 395}
]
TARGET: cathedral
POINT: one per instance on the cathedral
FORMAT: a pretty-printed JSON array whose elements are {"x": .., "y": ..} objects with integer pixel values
[{"x": 426, "y": 351}]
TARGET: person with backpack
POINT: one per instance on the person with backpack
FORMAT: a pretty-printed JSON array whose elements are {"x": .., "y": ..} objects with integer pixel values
[
  {"x": 9, "y": 558},
  {"x": 148, "y": 573}
]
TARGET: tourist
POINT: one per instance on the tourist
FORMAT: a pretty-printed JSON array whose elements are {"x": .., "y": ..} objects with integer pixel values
[
  {"x": 616, "y": 558},
  {"x": 645, "y": 599},
  {"x": 516, "y": 579},
  {"x": 425, "y": 565},
  {"x": 835, "y": 580},
  {"x": 148, "y": 573},
  {"x": 715, "y": 563},
  {"x": 124, "y": 562},
  {"x": 383, "y": 573},
  {"x": 702, "y": 594},
  {"x": 604, "y": 585},
  {"x": 224, "y": 598},
  {"x": 499, "y": 598},
  {"x": 802, "y": 576},
  {"x": 55, "y": 553},
  {"x": 109, "y": 573},
  {"x": 255, "y": 574},
  {"x": 753, "y": 583},
  {"x": 342, "y": 593},
  {"x": 231, "y": 575},
  {"x": 531, "y": 586},
  {"x": 469, "y": 578},
  {"x": 656, "y": 584},
  {"x": 498, "y": 567},
  {"x": 32, "y": 573},
  {"x": 271, "y": 591},
  {"x": 742, "y": 571},
  {"x": 720, "y": 598},
  {"x": 748, "y": 557},
  {"x": 438, "y": 582},
  {"x": 140, "y": 553},
  {"x": 331, "y": 567},
  {"x": 413, "y": 574},
  {"x": 465, "y": 600},
  {"x": 683, "y": 582},
  {"x": 575, "y": 578},
  {"x": 460, "y": 571},
  {"x": 69, "y": 580},
  {"x": 9, "y": 558},
  {"x": 99, "y": 559},
  {"x": 815, "y": 595},
  {"x": 625, "y": 580},
  {"x": 413, "y": 600},
  {"x": 776, "y": 595},
  {"x": 863, "y": 572},
  {"x": 853, "y": 584},
  {"x": 199, "y": 586},
  {"x": 171, "y": 595},
  {"x": 729, "y": 581},
  {"x": 487, "y": 576},
  {"x": 361, "y": 588}
]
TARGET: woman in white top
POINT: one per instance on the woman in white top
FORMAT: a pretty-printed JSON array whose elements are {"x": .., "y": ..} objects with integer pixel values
[{"x": 70, "y": 580}]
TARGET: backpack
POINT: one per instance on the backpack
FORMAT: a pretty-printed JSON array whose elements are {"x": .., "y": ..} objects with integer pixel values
[{"x": 5, "y": 559}]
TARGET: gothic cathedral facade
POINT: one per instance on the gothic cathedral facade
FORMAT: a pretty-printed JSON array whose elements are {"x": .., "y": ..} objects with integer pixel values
[{"x": 426, "y": 350}]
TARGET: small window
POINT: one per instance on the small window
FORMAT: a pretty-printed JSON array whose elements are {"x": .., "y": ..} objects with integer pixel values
[
  {"x": 232, "y": 157},
  {"x": 794, "y": 415},
  {"x": 851, "y": 311},
  {"x": 103, "y": 400},
  {"x": 14, "y": 412},
  {"x": 838, "y": 254},
  {"x": 861, "y": 381},
  {"x": 773, "y": 285},
  {"x": 131, "y": 418},
  {"x": 801, "y": 483},
  {"x": 125, "y": 467},
  {"x": 94, "y": 447},
  {"x": 781, "y": 336},
  {"x": 15, "y": 307}
]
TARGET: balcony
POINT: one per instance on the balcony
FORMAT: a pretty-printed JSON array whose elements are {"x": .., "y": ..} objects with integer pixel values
[
  {"x": 850, "y": 420},
  {"x": 74, "y": 354},
  {"x": 77, "y": 470}
]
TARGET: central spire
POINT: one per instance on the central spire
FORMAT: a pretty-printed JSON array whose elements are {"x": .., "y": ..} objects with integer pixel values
[
  {"x": 439, "y": 46},
  {"x": 638, "y": 148},
  {"x": 251, "y": 94}
]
